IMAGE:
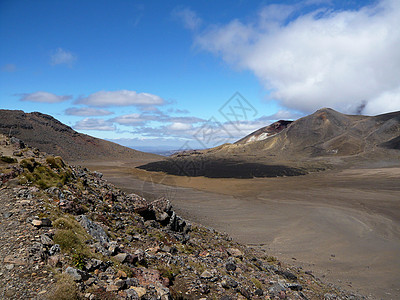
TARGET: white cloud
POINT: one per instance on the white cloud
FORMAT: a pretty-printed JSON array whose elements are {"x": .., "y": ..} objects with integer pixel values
[
  {"x": 120, "y": 98},
  {"x": 180, "y": 126},
  {"x": 346, "y": 60},
  {"x": 132, "y": 119},
  {"x": 43, "y": 97},
  {"x": 87, "y": 111},
  {"x": 61, "y": 56},
  {"x": 94, "y": 124},
  {"x": 188, "y": 17}
]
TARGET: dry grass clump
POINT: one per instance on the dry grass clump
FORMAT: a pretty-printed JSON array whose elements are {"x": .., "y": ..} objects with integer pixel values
[
  {"x": 55, "y": 174},
  {"x": 64, "y": 289},
  {"x": 8, "y": 159}
]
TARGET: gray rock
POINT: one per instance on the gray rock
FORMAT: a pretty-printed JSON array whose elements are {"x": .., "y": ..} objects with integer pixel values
[
  {"x": 46, "y": 222},
  {"x": 94, "y": 229},
  {"x": 55, "y": 249},
  {"x": 7, "y": 214},
  {"x": 46, "y": 240},
  {"x": 94, "y": 264},
  {"x": 287, "y": 275},
  {"x": 206, "y": 275},
  {"x": 276, "y": 288},
  {"x": 77, "y": 274},
  {"x": 131, "y": 294},
  {"x": 113, "y": 248},
  {"x": 295, "y": 287},
  {"x": 120, "y": 283},
  {"x": 228, "y": 283},
  {"x": 230, "y": 266},
  {"x": 121, "y": 257},
  {"x": 131, "y": 282},
  {"x": 98, "y": 174},
  {"x": 245, "y": 293}
]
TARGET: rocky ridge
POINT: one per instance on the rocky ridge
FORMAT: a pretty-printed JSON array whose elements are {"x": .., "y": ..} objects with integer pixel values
[
  {"x": 69, "y": 234},
  {"x": 51, "y": 136}
]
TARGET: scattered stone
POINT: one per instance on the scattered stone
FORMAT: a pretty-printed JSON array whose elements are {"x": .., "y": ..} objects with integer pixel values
[
  {"x": 93, "y": 229},
  {"x": 228, "y": 283},
  {"x": 46, "y": 240},
  {"x": 77, "y": 274},
  {"x": 55, "y": 261},
  {"x": 121, "y": 274},
  {"x": 46, "y": 222},
  {"x": 131, "y": 294},
  {"x": 112, "y": 288},
  {"x": 7, "y": 214},
  {"x": 121, "y": 257},
  {"x": 139, "y": 290},
  {"x": 259, "y": 292},
  {"x": 230, "y": 267},
  {"x": 37, "y": 223},
  {"x": 276, "y": 288},
  {"x": 295, "y": 287},
  {"x": 287, "y": 274},
  {"x": 55, "y": 249},
  {"x": 235, "y": 252},
  {"x": 206, "y": 275}
]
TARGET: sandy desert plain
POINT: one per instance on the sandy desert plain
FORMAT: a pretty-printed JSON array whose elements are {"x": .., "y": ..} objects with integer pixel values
[{"x": 343, "y": 225}]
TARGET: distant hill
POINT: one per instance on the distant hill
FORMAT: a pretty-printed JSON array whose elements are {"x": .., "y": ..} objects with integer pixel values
[
  {"x": 51, "y": 136},
  {"x": 324, "y": 139}
]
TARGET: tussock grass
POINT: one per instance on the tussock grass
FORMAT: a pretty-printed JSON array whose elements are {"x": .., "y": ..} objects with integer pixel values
[{"x": 64, "y": 289}]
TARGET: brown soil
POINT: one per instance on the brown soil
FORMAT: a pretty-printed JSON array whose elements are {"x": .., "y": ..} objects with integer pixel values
[{"x": 342, "y": 224}]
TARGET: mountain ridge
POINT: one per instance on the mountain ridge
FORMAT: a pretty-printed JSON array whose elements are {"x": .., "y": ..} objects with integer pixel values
[
  {"x": 322, "y": 140},
  {"x": 52, "y": 136}
]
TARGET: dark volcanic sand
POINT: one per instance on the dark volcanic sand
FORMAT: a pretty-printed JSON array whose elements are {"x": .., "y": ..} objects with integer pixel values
[
  {"x": 219, "y": 168},
  {"x": 342, "y": 225}
]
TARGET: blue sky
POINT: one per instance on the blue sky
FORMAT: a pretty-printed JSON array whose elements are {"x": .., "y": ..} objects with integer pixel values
[{"x": 160, "y": 73}]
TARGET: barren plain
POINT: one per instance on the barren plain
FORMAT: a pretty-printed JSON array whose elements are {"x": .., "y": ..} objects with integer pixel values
[{"x": 343, "y": 225}]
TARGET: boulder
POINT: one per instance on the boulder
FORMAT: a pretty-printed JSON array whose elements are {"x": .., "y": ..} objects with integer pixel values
[
  {"x": 93, "y": 229},
  {"x": 77, "y": 275}
]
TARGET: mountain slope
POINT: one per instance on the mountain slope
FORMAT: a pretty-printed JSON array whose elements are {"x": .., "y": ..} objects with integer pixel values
[
  {"x": 324, "y": 139},
  {"x": 327, "y": 133},
  {"x": 265, "y": 132},
  {"x": 50, "y": 135}
]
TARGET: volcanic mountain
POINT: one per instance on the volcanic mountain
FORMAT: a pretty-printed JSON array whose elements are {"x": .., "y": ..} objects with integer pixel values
[
  {"x": 51, "y": 136},
  {"x": 324, "y": 139}
]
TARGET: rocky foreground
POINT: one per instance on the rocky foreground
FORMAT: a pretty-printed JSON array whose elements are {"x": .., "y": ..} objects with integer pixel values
[{"x": 66, "y": 233}]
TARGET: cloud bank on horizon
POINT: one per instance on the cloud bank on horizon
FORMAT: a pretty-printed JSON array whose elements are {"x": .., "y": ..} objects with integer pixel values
[{"x": 346, "y": 60}]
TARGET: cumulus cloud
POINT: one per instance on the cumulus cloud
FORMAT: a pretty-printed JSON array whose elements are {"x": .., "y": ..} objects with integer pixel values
[
  {"x": 120, "y": 98},
  {"x": 87, "y": 111},
  {"x": 94, "y": 124},
  {"x": 346, "y": 60},
  {"x": 188, "y": 17},
  {"x": 133, "y": 119},
  {"x": 61, "y": 56},
  {"x": 180, "y": 126},
  {"x": 43, "y": 97}
]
